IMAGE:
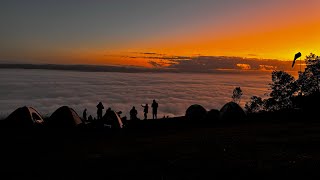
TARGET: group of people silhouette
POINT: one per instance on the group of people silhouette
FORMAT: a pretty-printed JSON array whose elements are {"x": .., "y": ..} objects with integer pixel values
[{"x": 133, "y": 112}]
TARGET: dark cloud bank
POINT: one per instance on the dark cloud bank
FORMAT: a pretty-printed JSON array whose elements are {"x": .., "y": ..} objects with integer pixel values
[{"x": 178, "y": 64}]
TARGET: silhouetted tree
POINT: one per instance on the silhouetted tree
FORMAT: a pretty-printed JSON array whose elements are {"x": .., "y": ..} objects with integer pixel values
[
  {"x": 255, "y": 105},
  {"x": 270, "y": 104},
  {"x": 309, "y": 79},
  {"x": 283, "y": 87},
  {"x": 236, "y": 95}
]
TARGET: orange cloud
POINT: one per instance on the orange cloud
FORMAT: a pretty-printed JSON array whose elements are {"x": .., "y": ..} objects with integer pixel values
[
  {"x": 267, "y": 67},
  {"x": 244, "y": 66}
]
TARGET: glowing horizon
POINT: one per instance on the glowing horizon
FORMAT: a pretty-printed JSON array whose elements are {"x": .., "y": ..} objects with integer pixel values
[{"x": 108, "y": 33}]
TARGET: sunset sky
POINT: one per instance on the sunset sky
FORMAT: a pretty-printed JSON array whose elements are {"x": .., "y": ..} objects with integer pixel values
[{"x": 129, "y": 32}]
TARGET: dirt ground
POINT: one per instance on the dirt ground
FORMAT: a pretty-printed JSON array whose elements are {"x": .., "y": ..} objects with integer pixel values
[{"x": 259, "y": 150}]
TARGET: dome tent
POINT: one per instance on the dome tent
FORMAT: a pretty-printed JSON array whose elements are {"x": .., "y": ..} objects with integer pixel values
[
  {"x": 232, "y": 112},
  {"x": 196, "y": 112},
  {"x": 112, "y": 120},
  {"x": 64, "y": 117},
  {"x": 24, "y": 117},
  {"x": 213, "y": 115}
]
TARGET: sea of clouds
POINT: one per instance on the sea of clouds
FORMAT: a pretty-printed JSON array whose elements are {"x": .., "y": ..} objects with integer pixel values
[{"x": 47, "y": 90}]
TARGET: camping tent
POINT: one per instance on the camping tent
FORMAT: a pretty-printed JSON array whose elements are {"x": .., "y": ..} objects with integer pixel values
[
  {"x": 196, "y": 112},
  {"x": 64, "y": 117},
  {"x": 213, "y": 115},
  {"x": 112, "y": 120},
  {"x": 24, "y": 117},
  {"x": 232, "y": 112}
]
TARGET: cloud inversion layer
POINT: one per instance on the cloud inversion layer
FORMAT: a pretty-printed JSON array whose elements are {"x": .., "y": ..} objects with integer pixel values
[{"x": 46, "y": 90}]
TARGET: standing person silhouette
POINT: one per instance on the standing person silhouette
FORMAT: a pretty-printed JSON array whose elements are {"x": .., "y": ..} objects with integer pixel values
[
  {"x": 100, "y": 107},
  {"x": 145, "y": 110},
  {"x": 84, "y": 115},
  {"x": 154, "y": 109},
  {"x": 90, "y": 119},
  {"x": 133, "y": 113}
]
